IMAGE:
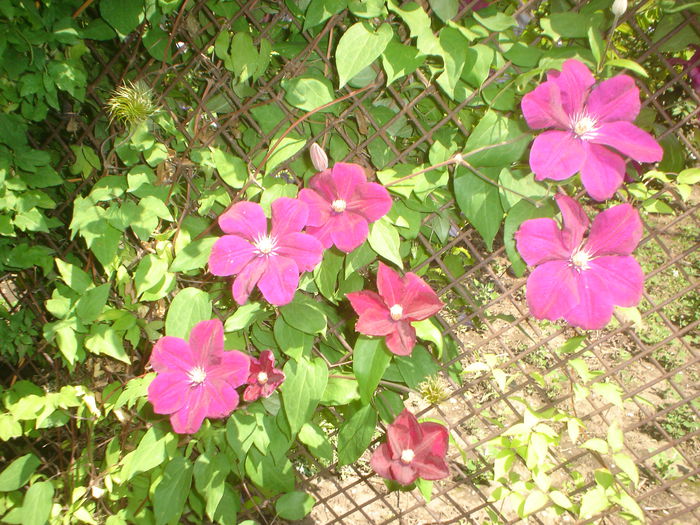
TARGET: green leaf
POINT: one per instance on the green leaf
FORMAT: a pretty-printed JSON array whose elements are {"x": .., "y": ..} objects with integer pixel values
[
  {"x": 150, "y": 273},
  {"x": 498, "y": 22},
  {"x": 308, "y": 92},
  {"x": 454, "y": 54},
  {"x": 90, "y": 305},
  {"x": 232, "y": 169},
  {"x": 210, "y": 480},
  {"x": 244, "y": 316},
  {"x": 426, "y": 489},
  {"x": 321, "y": 10},
  {"x": 399, "y": 60},
  {"x": 36, "y": 507},
  {"x": 624, "y": 63},
  {"x": 479, "y": 201},
  {"x": 416, "y": 367},
  {"x": 495, "y": 129},
  {"x": 689, "y": 176},
  {"x": 429, "y": 330},
  {"x": 384, "y": 239},
  {"x": 150, "y": 452},
  {"x": 593, "y": 502},
  {"x": 370, "y": 360},
  {"x": 610, "y": 392},
  {"x": 478, "y": 65},
  {"x": 304, "y": 314},
  {"x": 189, "y": 307},
  {"x": 356, "y": 434},
  {"x": 326, "y": 274},
  {"x": 316, "y": 441},
  {"x": 293, "y": 342},
  {"x": 171, "y": 493},
  {"x": 288, "y": 147},
  {"x": 419, "y": 24},
  {"x": 302, "y": 389},
  {"x": 294, "y": 505},
  {"x": 104, "y": 340},
  {"x": 534, "y": 501},
  {"x": 193, "y": 256},
  {"x": 17, "y": 473},
  {"x": 271, "y": 474},
  {"x": 122, "y": 15},
  {"x": 627, "y": 466},
  {"x": 74, "y": 277},
  {"x": 561, "y": 499},
  {"x": 359, "y": 47},
  {"x": 445, "y": 9},
  {"x": 340, "y": 391},
  {"x": 596, "y": 444},
  {"x": 616, "y": 439},
  {"x": 243, "y": 60}
]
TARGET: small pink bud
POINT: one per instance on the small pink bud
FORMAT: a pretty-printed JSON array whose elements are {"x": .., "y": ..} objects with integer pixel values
[{"x": 318, "y": 157}]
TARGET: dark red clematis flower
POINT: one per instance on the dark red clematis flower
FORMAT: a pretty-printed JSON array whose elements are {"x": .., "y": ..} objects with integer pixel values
[
  {"x": 412, "y": 450},
  {"x": 389, "y": 313},
  {"x": 264, "y": 377}
]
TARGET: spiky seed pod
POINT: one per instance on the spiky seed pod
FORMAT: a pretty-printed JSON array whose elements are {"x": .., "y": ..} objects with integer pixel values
[{"x": 131, "y": 104}]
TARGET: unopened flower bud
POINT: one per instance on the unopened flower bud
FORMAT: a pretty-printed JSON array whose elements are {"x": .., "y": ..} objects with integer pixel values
[
  {"x": 318, "y": 157},
  {"x": 619, "y": 7}
]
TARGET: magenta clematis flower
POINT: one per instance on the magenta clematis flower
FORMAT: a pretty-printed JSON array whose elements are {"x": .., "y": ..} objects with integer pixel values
[
  {"x": 412, "y": 450},
  {"x": 588, "y": 120},
  {"x": 196, "y": 379},
  {"x": 264, "y": 377},
  {"x": 342, "y": 204},
  {"x": 390, "y": 312},
  {"x": 582, "y": 280},
  {"x": 271, "y": 260}
]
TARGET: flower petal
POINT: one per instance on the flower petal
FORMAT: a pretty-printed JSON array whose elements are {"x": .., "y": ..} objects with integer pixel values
[
  {"x": 322, "y": 183},
  {"x": 166, "y": 392},
  {"x": 374, "y": 321},
  {"x": 594, "y": 308},
  {"x": 390, "y": 285},
  {"x": 244, "y": 218},
  {"x": 575, "y": 221},
  {"x": 252, "y": 392},
  {"x": 221, "y": 398},
  {"x": 365, "y": 299},
  {"x": 345, "y": 178},
  {"x": 319, "y": 208},
  {"x": 348, "y": 231},
  {"x": 574, "y": 80},
  {"x": 419, "y": 301},
  {"x": 621, "y": 277},
  {"x": 542, "y": 107},
  {"x": 306, "y": 250},
  {"x": 431, "y": 467},
  {"x": 248, "y": 278},
  {"x": 229, "y": 255},
  {"x": 602, "y": 172},
  {"x": 322, "y": 233},
  {"x": 171, "y": 354},
  {"x": 556, "y": 155},
  {"x": 288, "y": 215},
  {"x": 233, "y": 368},
  {"x": 279, "y": 281},
  {"x": 189, "y": 418},
  {"x": 207, "y": 342},
  {"x": 615, "y": 231},
  {"x": 404, "y": 433},
  {"x": 371, "y": 200},
  {"x": 552, "y": 290},
  {"x": 403, "y": 474},
  {"x": 381, "y": 461},
  {"x": 629, "y": 140},
  {"x": 436, "y": 436},
  {"x": 540, "y": 240},
  {"x": 613, "y": 99},
  {"x": 402, "y": 340}
]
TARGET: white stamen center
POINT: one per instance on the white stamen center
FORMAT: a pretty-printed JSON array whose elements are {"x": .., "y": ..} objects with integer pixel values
[
  {"x": 584, "y": 126},
  {"x": 407, "y": 456},
  {"x": 580, "y": 259},
  {"x": 197, "y": 375},
  {"x": 396, "y": 312},
  {"x": 338, "y": 205},
  {"x": 265, "y": 244},
  {"x": 262, "y": 378}
]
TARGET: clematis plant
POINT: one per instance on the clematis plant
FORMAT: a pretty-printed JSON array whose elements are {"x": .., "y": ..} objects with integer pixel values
[
  {"x": 264, "y": 378},
  {"x": 412, "y": 450},
  {"x": 271, "y": 260},
  {"x": 588, "y": 120},
  {"x": 389, "y": 313},
  {"x": 342, "y": 204},
  {"x": 581, "y": 279},
  {"x": 196, "y": 379}
]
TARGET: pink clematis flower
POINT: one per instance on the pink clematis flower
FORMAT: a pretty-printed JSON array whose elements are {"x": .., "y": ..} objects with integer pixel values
[
  {"x": 588, "y": 120},
  {"x": 582, "y": 280},
  {"x": 196, "y": 379},
  {"x": 412, "y": 450},
  {"x": 264, "y": 377},
  {"x": 342, "y": 204},
  {"x": 272, "y": 261},
  {"x": 390, "y": 312}
]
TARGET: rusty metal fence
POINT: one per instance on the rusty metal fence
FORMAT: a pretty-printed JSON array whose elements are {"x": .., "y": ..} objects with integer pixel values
[{"x": 653, "y": 362}]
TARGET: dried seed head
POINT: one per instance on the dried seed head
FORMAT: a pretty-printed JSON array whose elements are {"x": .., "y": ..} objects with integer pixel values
[
  {"x": 434, "y": 389},
  {"x": 131, "y": 104}
]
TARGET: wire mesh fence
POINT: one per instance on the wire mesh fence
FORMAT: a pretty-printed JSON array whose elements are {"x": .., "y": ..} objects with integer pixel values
[{"x": 642, "y": 372}]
